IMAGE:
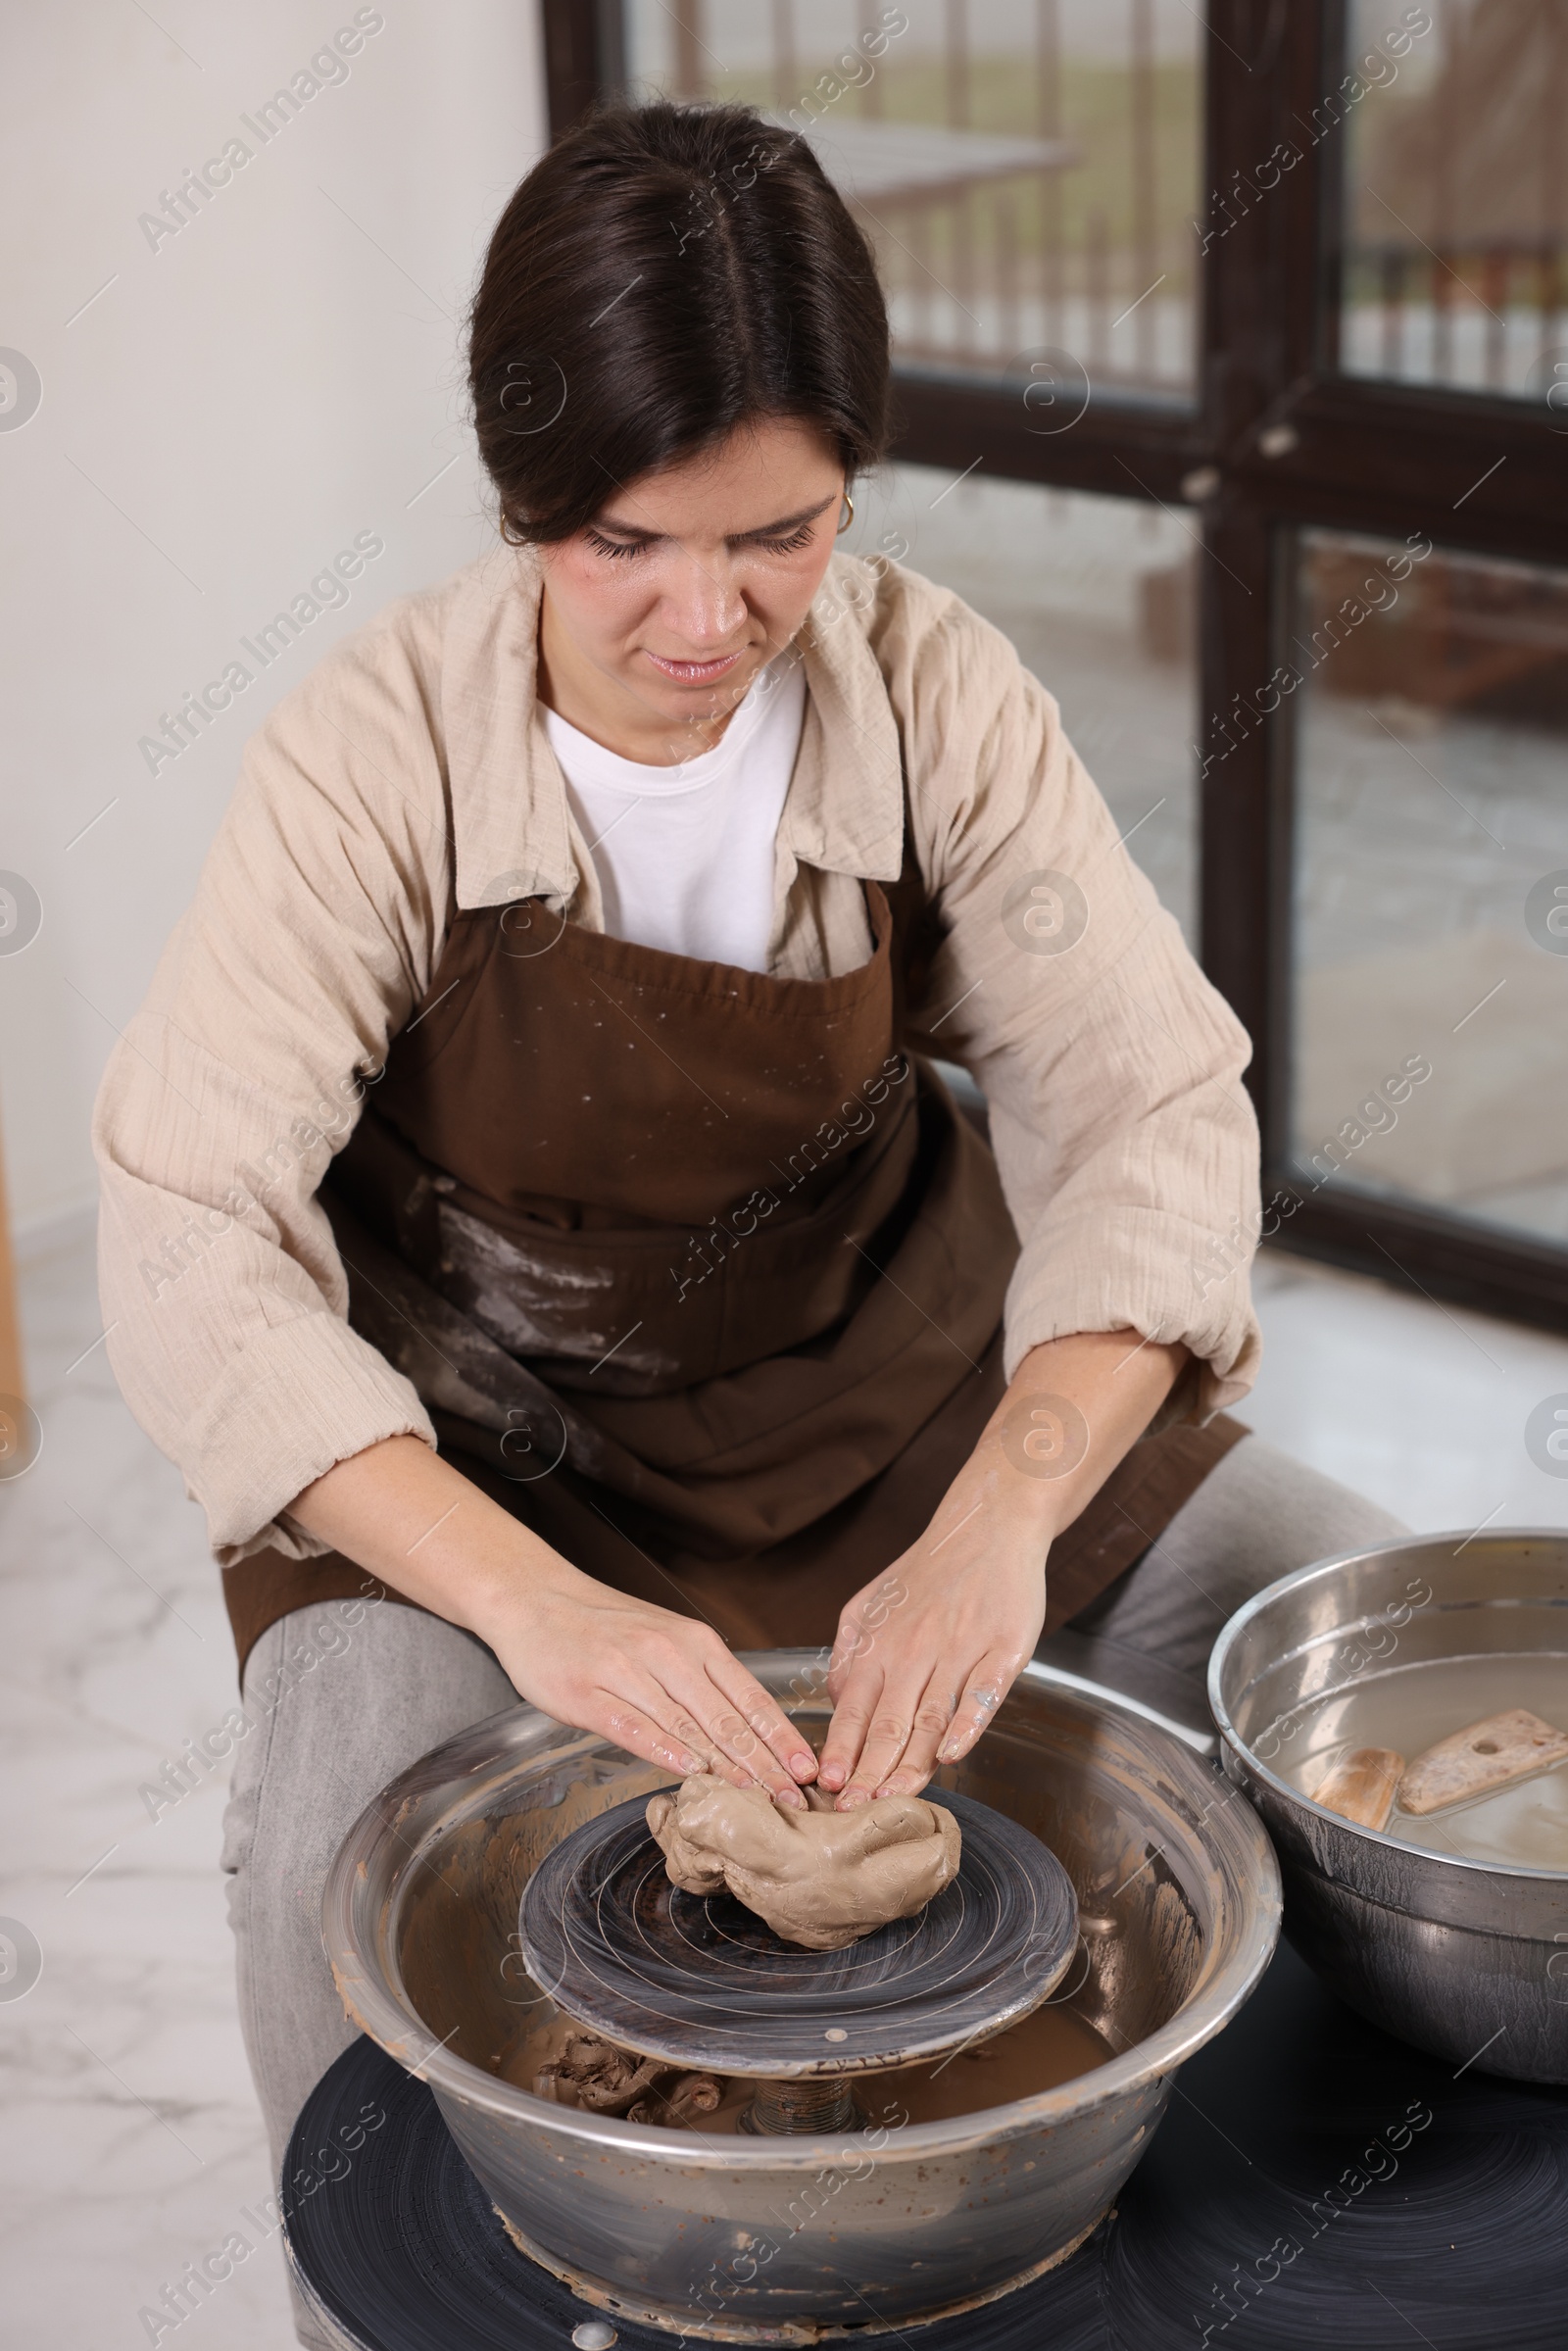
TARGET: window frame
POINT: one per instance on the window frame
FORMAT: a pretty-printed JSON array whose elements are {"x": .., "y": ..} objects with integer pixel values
[{"x": 1368, "y": 457}]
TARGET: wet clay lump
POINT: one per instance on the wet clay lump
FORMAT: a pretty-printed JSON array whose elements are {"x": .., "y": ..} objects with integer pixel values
[{"x": 818, "y": 1878}]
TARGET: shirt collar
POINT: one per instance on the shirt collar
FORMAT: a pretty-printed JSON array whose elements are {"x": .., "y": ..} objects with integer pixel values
[{"x": 513, "y": 833}]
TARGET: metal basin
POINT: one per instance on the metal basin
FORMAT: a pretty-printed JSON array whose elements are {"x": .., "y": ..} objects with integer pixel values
[
  {"x": 783, "y": 2241},
  {"x": 1466, "y": 1959}
]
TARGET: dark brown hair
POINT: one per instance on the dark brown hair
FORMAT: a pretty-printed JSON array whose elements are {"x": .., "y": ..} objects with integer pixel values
[{"x": 665, "y": 275}]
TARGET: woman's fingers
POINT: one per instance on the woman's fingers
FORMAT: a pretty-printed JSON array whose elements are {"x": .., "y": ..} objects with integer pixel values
[
  {"x": 639, "y": 1732},
  {"x": 698, "y": 1691},
  {"x": 735, "y": 1751},
  {"x": 891, "y": 1729},
  {"x": 849, "y": 1647},
  {"x": 855, "y": 1672},
  {"x": 985, "y": 1687},
  {"x": 633, "y": 1692},
  {"x": 887, "y": 1737},
  {"x": 755, "y": 1731},
  {"x": 855, "y": 1703},
  {"x": 860, "y": 1626},
  {"x": 932, "y": 1716}
]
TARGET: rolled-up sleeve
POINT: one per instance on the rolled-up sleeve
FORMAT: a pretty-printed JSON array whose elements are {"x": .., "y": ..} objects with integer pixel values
[
  {"x": 310, "y": 938},
  {"x": 1124, "y": 1135}
]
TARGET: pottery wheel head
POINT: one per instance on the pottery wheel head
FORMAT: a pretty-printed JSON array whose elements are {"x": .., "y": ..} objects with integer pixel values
[{"x": 702, "y": 1981}]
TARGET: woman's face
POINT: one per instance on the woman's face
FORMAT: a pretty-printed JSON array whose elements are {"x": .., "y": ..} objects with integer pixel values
[{"x": 661, "y": 612}]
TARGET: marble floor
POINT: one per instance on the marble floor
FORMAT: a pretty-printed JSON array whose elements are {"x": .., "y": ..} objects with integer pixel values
[{"x": 132, "y": 2145}]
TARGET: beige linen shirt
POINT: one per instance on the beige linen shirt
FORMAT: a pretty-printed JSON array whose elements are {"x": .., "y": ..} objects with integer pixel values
[{"x": 413, "y": 761}]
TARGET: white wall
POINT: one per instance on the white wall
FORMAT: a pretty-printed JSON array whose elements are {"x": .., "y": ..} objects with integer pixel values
[{"x": 215, "y": 425}]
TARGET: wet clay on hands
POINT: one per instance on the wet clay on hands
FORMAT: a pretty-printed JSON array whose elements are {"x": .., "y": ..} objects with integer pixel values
[{"x": 818, "y": 1877}]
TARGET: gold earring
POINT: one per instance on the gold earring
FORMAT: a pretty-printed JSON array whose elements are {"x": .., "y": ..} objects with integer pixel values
[{"x": 849, "y": 516}]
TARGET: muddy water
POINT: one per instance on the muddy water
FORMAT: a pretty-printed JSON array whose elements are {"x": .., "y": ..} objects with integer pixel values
[
  {"x": 1050, "y": 2047},
  {"x": 1410, "y": 1710}
]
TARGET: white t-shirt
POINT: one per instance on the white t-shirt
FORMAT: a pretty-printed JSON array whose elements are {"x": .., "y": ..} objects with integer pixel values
[{"x": 684, "y": 855}]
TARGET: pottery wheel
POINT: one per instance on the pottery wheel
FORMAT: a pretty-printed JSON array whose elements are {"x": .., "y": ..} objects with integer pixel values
[{"x": 702, "y": 1981}]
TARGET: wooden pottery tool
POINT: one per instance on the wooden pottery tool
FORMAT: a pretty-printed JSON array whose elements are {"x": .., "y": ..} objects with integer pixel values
[
  {"x": 1360, "y": 1785},
  {"x": 1482, "y": 1756}
]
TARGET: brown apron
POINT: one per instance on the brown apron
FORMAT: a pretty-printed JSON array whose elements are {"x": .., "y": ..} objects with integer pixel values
[{"x": 697, "y": 1271}]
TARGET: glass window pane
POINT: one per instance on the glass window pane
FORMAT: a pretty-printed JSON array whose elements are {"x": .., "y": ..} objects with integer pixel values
[
  {"x": 1431, "y": 912},
  {"x": 1028, "y": 169},
  {"x": 1096, "y": 595},
  {"x": 1455, "y": 261}
]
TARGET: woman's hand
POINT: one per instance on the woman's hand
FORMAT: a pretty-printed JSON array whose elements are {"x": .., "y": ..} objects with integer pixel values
[
  {"x": 663, "y": 1686},
  {"x": 926, "y": 1653}
]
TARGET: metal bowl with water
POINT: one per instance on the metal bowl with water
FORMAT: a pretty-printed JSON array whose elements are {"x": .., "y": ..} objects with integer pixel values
[
  {"x": 1467, "y": 1959},
  {"x": 786, "y": 2240}
]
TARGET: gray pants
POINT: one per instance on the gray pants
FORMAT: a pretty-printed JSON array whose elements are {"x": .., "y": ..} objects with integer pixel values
[{"x": 362, "y": 1700}]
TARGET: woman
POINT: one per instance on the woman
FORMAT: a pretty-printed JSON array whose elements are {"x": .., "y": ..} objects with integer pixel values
[{"x": 532, "y": 1219}]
